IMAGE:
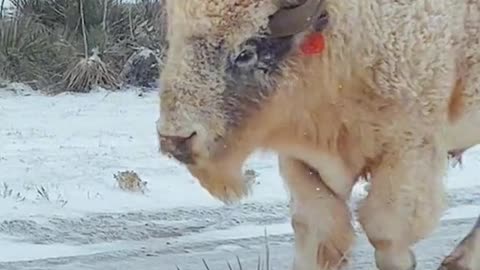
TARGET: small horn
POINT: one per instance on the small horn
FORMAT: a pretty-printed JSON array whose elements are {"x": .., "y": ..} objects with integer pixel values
[{"x": 290, "y": 21}]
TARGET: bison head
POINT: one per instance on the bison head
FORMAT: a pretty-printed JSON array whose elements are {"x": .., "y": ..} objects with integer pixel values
[{"x": 227, "y": 65}]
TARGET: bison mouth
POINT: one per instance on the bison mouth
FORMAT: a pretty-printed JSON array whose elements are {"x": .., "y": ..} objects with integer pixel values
[
  {"x": 219, "y": 172},
  {"x": 180, "y": 148}
]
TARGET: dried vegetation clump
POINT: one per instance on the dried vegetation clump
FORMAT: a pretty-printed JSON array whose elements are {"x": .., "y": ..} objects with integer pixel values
[
  {"x": 131, "y": 182},
  {"x": 75, "y": 45}
]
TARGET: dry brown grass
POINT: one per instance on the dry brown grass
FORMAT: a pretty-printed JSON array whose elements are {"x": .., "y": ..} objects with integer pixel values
[
  {"x": 88, "y": 73},
  {"x": 130, "y": 181},
  {"x": 262, "y": 263},
  {"x": 41, "y": 39}
]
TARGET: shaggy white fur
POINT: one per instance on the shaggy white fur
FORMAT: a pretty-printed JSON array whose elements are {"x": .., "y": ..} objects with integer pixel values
[{"x": 396, "y": 89}]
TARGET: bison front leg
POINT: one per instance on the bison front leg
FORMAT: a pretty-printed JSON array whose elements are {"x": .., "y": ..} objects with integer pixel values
[
  {"x": 320, "y": 220},
  {"x": 466, "y": 255},
  {"x": 404, "y": 203}
]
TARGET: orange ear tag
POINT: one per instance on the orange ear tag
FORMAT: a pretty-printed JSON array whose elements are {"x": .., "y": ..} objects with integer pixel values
[{"x": 313, "y": 44}]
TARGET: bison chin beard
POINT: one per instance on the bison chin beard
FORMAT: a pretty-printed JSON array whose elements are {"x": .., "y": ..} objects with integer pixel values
[
  {"x": 229, "y": 185},
  {"x": 221, "y": 174}
]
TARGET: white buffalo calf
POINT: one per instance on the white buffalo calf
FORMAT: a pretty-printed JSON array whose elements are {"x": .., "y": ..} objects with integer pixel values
[{"x": 339, "y": 89}]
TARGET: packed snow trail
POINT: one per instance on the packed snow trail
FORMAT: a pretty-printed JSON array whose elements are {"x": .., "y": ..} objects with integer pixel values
[
  {"x": 216, "y": 248},
  {"x": 70, "y": 146}
]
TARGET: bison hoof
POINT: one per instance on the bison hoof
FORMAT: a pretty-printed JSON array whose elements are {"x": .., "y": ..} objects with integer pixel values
[
  {"x": 455, "y": 263},
  {"x": 466, "y": 255}
]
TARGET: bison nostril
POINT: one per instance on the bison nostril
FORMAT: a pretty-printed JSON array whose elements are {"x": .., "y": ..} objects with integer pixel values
[
  {"x": 192, "y": 135},
  {"x": 178, "y": 146}
]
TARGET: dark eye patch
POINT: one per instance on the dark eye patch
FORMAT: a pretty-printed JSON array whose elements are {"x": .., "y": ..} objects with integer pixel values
[
  {"x": 247, "y": 57},
  {"x": 244, "y": 56},
  {"x": 247, "y": 86},
  {"x": 270, "y": 52}
]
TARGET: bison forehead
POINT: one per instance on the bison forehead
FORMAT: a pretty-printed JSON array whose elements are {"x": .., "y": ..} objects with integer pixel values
[
  {"x": 220, "y": 16},
  {"x": 205, "y": 69}
]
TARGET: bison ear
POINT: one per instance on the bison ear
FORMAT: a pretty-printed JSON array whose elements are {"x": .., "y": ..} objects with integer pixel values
[{"x": 290, "y": 20}]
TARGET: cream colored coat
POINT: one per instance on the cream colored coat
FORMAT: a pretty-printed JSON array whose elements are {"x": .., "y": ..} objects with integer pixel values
[{"x": 396, "y": 89}]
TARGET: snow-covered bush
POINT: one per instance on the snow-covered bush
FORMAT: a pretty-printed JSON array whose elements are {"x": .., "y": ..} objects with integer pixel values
[{"x": 42, "y": 40}]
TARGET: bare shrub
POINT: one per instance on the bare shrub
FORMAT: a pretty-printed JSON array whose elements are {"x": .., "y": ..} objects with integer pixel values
[{"x": 88, "y": 73}]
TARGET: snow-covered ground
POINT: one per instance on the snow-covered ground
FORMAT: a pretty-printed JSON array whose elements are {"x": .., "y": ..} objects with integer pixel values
[{"x": 71, "y": 145}]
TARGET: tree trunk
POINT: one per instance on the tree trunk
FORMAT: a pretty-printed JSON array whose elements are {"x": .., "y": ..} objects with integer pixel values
[
  {"x": 84, "y": 30},
  {"x": 2, "y": 5},
  {"x": 104, "y": 23}
]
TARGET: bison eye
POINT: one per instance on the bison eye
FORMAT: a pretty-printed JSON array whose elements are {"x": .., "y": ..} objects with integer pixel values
[{"x": 246, "y": 58}]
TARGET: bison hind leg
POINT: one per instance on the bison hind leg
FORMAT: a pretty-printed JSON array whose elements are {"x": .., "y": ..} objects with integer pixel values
[{"x": 466, "y": 256}]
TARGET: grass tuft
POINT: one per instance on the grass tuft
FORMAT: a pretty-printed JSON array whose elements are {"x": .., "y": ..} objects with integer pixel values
[
  {"x": 205, "y": 264},
  {"x": 260, "y": 265},
  {"x": 7, "y": 192},
  {"x": 88, "y": 73}
]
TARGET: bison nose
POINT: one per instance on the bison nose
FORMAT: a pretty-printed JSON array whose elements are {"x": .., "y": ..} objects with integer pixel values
[{"x": 177, "y": 146}]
